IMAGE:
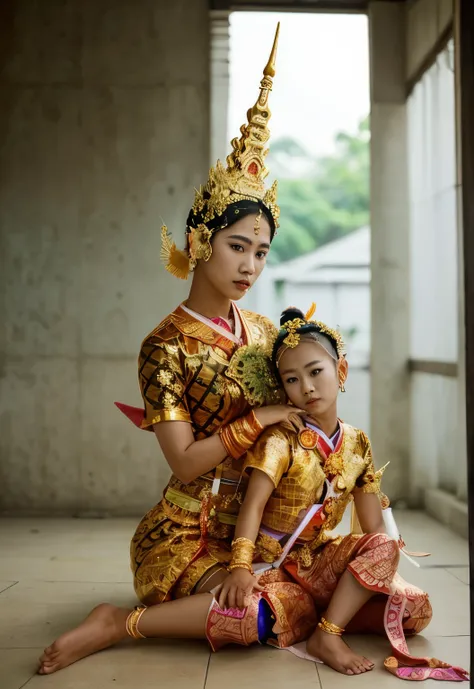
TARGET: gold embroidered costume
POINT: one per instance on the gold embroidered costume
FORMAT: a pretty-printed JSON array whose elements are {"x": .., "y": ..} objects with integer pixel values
[
  {"x": 328, "y": 476},
  {"x": 183, "y": 374},
  {"x": 315, "y": 478},
  {"x": 301, "y": 477}
]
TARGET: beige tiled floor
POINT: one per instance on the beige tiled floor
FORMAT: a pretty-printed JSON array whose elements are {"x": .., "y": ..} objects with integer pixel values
[{"x": 53, "y": 571}]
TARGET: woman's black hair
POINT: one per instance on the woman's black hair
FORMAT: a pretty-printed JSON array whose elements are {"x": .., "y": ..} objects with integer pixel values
[
  {"x": 306, "y": 329},
  {"x": 234, "y": 212}
]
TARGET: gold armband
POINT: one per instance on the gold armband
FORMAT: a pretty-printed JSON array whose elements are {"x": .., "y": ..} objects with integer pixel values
[{"x": 238, "y": 436}]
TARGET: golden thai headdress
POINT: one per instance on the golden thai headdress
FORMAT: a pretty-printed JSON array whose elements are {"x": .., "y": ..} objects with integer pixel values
[
  {"x": 291, "y": 336},
  {"x": 243, "y": 179}
]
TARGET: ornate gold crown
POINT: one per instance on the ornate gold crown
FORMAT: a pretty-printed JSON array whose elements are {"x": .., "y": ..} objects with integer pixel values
[{"x": 243, "y": 179}]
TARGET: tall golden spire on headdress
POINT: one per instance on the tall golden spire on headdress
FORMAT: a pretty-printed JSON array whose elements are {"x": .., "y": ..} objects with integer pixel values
[
  {"x": 243, "y": 179},
  {"x": 249, "y": 151},
  {"x": 246, "y": 172}
]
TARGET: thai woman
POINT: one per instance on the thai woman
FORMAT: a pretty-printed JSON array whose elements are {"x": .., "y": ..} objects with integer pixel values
[{"x": 192, "y": 372}]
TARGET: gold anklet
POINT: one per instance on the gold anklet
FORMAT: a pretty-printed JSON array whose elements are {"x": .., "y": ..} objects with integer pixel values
[
  {"x": 330, "y": 628},
  {"x": 132, "y": 622}
]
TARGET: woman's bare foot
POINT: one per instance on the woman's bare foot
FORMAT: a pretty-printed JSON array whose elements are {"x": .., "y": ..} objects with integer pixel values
[
  {"x": 333, "y": 651},
  {"x": 103, "y": 627}
]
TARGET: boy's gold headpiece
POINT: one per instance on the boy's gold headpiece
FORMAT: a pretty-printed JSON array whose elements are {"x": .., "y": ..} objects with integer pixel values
[
  {"x": 293, "y": 337},
  {"x": 243, "y": 179}
]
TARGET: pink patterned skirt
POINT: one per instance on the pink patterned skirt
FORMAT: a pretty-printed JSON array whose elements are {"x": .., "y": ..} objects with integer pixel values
[{"x": 294, "y": 597}]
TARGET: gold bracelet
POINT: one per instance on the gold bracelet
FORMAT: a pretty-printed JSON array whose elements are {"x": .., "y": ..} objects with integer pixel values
[
  {"x": 133, "y": 619},
  {"x": 242, "y": 539},
  {"x": 243, "y": 550},
  {"x": 240, "y": 565},
  {"x": 243, "y": 545},
  {"x": 330, "y": 628},
  {"x": 238, "y": 436}
]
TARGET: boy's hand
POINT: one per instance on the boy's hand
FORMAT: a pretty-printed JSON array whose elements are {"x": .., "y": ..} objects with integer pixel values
[{"x": 237, "y": 589}]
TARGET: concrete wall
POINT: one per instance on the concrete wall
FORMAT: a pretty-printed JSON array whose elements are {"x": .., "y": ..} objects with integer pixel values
[
  {"x": 219, "y": 23},
  {"x": 415, "y": 275},
  {"x": 104, "y": 125},
  {"x": 438, "y": 429},
  {"x": 434, "y": 280},
  {"x": 390, "y": 309},
  {"x": 426, "y": 21}
]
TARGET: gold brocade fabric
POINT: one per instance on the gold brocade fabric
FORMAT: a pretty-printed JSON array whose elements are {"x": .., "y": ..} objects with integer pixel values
[
  {"x": 182, "y": 372},
  {"x": 182, "y": 375},
  {"x": 300, "y": 477},
  {"x": 296, "y": 473},
  {"x": 371, "y": 558}
]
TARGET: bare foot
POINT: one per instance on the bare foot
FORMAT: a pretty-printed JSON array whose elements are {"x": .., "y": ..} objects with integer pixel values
[
  {"x": 333, "y": 651},
  {"x": 103, "y": 627}
]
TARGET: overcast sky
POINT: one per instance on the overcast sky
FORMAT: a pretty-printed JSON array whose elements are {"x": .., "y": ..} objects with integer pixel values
[{"x": 322, "y": 80}]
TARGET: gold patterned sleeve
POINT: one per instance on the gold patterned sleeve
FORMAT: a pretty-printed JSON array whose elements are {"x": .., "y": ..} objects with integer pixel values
[
  {"x": 271, "y": 454},
  {"x": 369, "y": 480},
  {"x": 162, "y": 383}
]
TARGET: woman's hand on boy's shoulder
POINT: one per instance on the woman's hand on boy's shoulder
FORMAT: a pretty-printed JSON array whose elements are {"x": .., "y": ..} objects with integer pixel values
[
  {"x": 295, "y": 422},
  {"x": 279, "y": 413}
]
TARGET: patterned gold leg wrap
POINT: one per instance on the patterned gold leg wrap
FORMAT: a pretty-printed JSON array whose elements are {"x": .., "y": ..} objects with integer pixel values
[
  {"x": 132, "y": 622},
  {"x": 330, "y": 628}
]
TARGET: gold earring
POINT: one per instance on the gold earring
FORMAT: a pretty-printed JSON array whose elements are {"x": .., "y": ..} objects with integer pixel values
[{"x": 341, "y": 386}]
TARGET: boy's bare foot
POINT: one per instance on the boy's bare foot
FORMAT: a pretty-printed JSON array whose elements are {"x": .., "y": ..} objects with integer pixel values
[
  {"x": 333, "y": 651},
  {"x": 103, "y": 627}
]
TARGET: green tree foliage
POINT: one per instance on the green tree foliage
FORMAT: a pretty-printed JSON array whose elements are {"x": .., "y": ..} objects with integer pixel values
[{"x": 326, "y": 198}]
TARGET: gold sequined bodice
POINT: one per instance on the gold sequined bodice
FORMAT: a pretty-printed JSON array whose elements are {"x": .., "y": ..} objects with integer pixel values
[
  {"x": 304, "y": 477},
  {"x": 183, "y": 367}
]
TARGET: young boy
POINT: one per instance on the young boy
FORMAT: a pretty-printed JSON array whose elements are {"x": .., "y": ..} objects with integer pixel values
[{"x": 316, "y": 473}]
